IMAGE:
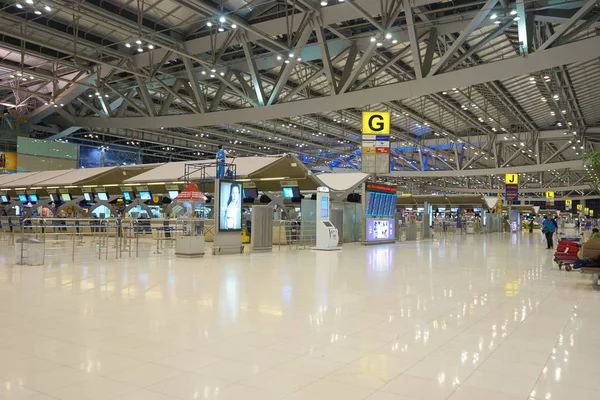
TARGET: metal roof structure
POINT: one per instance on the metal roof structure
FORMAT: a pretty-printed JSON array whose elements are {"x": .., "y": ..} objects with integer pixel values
[{"x": 472, "y": 85}]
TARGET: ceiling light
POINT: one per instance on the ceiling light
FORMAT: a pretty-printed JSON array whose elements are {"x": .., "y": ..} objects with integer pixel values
[
  {"x": 138, "y": 41},
  {"x": 379, "y": 44},
  {"x": 388, "y": 35},
  {"x": 494, "y": 16},
  {"x": 497, "y": 22},
  {"x": 150, "y": 46},
  {"x": 18, "y": 5},
  {"x": 127, "y": 45},
  {"x": 373, "y": 40},
  {"x": 222, "y": 73},
  {"x": 140, "y": 49},
  {"x": 221, "y": 29},
  {"x": 299, "y": 59},
  {"x": 222, "y": 19},
  {"x": 279, "y": 58},
  {"x": 323, "y": 3},
  {"x": 37, "y": 12},
  {"x": 209, "y": 24},
  {"x": 394, "y": 41},
  {"x": 212, "y": 75},
  {"x": 287, "y": 61},
  {"x": 47, "y": 8},
  {"x": 233, "y": 26},
  {"x": 516, "y": 18}
]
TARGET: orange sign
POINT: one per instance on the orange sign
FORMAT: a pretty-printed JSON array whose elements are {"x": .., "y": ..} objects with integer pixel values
[{"x": 8, "y": 161}]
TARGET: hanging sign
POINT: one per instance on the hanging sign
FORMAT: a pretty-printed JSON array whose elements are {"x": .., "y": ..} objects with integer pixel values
[{"x": 511, "y": 179}]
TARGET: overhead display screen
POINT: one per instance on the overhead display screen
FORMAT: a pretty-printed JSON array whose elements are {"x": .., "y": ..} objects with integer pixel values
[
  {"x": 4, "y": 198},
  {"x": 87, "y": 196},
  {"x": 33, "y": 198},
  {"x": 230, "y": 206},
  {"x": 127, "y": 196},
  {"x": 23, "y": 198},
  {"x": 380, "y": 229},
  {"x": 65, "y": 197},
  {"x": 173, "y": 194}
]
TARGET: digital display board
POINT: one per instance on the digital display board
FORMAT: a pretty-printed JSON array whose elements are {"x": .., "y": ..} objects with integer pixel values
[
  {"x": 230, "y": 206},
  {"x": 173, "y": 194},
  {"x": 380, "y": 229},
  {"x": 65, "y": 197},
  {"x": 33, "y": 198},
  {"x": 127, "y": 196},
  {"x": 23, "y": 198},
  {"x": 325, "y": 207},
  {"x": 87, "y": 196},
  {"x": 5, "y": 198},
  {"x": 380, "y": 204}
]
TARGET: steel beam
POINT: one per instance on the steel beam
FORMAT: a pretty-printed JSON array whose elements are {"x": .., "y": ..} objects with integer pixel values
[{"x": 581, "y": 51}]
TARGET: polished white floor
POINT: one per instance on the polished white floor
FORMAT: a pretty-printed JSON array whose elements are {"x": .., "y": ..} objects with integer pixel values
[{"x": 467, "y": 317}]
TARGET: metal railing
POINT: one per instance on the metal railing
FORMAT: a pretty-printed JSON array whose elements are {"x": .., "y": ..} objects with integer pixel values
[
  {"x": 295, "y": 234},
  {"x": 86, "y": 239}
]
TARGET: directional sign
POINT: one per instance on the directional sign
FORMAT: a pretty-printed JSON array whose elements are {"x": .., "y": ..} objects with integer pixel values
[
  {"x": 512, "y": 179},
  {"x": 376, "y": 123},
  {"x": 592, "y": 213},
  {"x": 579, "y": 207},
  {"x": 568, "y": 204},
  {"x": 586, "y": 210},
  {"x": 512, "y": 192},
  {"x": 549, "y": 195}
]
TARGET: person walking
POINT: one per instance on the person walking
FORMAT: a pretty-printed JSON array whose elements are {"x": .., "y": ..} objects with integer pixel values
[
  {"x": 549, "y": 229},
  {"x": 221, "y": 157}
]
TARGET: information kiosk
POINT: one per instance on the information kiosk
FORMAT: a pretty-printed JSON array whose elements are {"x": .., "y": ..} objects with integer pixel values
[{"x": 327, "y": 234}]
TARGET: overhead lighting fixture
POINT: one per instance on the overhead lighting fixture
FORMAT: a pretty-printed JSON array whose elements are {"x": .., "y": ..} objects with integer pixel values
[
  {"x": 323, "y": 3},
  {"x": 138, "y": 41},
  {"x": 394, "y": 41},
  {"x": 150, "y": 46},
  {"x": 279, "y": 58},
  {"x": 127, "y": 45},
  {"x": 379, "y": 44},
  {"x": 221, "y": 29},
  {"x": 209, "y": 24},
  {"x": 373, "y": 40},
  {"x": 388, "y": 35},
  {"x": 493, "y": 16},
  {"x": 233, "y": 26},
  {"x": 140, "y": 49},
  {"x": 222, "y": 19},
  {"x": 37, "y": 12},
  {"x": 513, "y": 12},
  {"x": 18, "y": 5}
]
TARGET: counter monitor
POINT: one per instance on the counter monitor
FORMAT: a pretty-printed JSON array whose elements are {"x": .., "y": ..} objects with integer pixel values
[{"x": 102, "y": 196}]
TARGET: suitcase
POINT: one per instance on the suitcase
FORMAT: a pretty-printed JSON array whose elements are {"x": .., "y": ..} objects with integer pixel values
[{"x": 566, "y": 254}]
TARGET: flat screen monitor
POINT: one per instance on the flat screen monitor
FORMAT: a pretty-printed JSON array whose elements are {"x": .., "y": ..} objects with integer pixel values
[
  {"x": 127, "y": 196},
  {"x": 288, "y": 193},
  {"x": 173, "y": 194},
  {"x": 4, "y": 198},
  {"x": 477, "y": 210},
  {"x": 250, "y": 193},
  {"x": 102, "y": 196},
  {"x": 454, "y": 210},
  {"x": 65, "y": 197},
  {"x": 380, "y": 229},
  {"x": 145, "y": 195},
  {"x": 230, "y": 206},
  {"x": 33, "y": 198},
  {"x": 23, "y": 198},
  {"x": 420, "y": 209},
  {"x": 88, "y": 196},
  {"x": 441, "y": 210},
  {"x": 407, "y": 209}
]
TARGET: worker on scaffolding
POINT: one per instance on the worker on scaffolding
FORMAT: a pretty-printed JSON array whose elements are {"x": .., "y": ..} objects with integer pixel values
[{"x": 221, "y": 158}]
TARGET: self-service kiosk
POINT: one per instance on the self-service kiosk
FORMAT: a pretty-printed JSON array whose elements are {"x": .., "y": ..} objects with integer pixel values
[{"x": 327, "y": 234}]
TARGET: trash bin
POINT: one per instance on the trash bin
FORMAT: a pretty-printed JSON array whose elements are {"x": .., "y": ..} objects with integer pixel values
[{"x": 30, "y": 251}]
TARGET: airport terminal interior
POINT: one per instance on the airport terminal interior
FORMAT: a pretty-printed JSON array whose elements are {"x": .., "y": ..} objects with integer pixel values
[{"x": 299, "y": 199}]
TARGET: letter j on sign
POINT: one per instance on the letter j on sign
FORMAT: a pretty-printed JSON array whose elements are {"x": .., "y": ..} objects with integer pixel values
[{"x": 376, "y": 123}]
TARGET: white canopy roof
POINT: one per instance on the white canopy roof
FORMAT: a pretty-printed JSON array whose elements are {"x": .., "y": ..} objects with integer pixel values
[
  {"x": 71, "y": 177},
  {"x": 342, "y": 181},
  {"x": 174, "y": 171},
  {"x": 34, "y": 178},
  {"x": 5, "y": 180}
]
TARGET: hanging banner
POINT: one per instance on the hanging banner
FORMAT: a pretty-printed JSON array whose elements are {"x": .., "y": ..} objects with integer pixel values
[{"x": 8, "y": 161}]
